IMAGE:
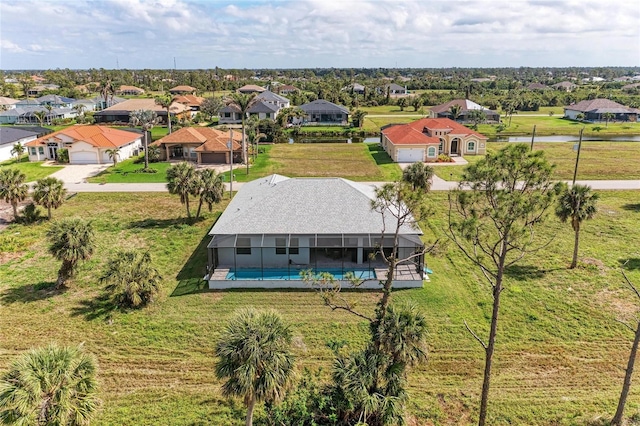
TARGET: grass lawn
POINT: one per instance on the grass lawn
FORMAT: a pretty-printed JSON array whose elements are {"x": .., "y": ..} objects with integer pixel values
[
  {"x": 125, "y": 172},
  {"x": 34, "y": 170},
  {"x": 374, "y": 124},
  {"x": 358, "y": 161},
  {"x": 556, "y": 125},
  {"x": 559, "y": 357},
  {"x": 598, "y": 160},
  {"x": 391, "y": 109}
]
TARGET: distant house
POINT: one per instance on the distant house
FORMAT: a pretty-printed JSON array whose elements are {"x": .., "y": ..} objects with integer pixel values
[
  {"x": 537, "y": 86},
  {"x": 423, "y": 140},
  {"x": 321, "y": 111},
  {"x": 204, "y": 145},
  {"x": 395, "y": 89},
  {"x": 251, "y": 88},
  {"x": 38, "y": 89},
  {"x": 356, "y": 88},
  {"x": 86, "y": 144},
  {"x": 466, "y": 106},
  {"x": 274, "y": 99},
  {"x": 55, "y": 101},
  {"x": 183, "y": 90},
  {"x": 130, "y": 90},
  {"x": 191, "y": 101},
  {"x": 266, "y": 106},
  {"x": 9, "y": 136},
  {"x": 566, "y": 86},
  {"x": 230, "y": 114},
  {"x": 275, "y": 227},
  {"x": 26, "y": 114},
  {"x": 263, "y": 110},
  {"x": 595, "y": 110},
  {"x": 7, "y": 103},
  {"x": 631, "y": 87},
  {"x": 287, "y": 89},
  {"x": 120, "y": 112}
]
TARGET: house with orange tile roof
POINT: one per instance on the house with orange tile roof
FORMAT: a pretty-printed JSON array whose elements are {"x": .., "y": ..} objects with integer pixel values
[
  {"x": 183, "y": 90},
  {"x": 423, "y": 140},
  {"x": 86, "y": 144},
  {"x": 203, "y": 145},
  {"x": 193, "y": 102},
  {"x": 130, "y": 90}
]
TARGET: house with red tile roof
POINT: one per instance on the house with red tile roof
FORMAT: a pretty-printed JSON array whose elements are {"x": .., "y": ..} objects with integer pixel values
[
  {"x": 423, "y": 140},
  {"x": 86, "y": 144},
  {"x": 130, "y": 90},
  {"x": 203, "y": 145}
]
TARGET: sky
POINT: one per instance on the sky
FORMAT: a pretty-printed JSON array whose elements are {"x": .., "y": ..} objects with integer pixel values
[{"x": 138, "y": 34}]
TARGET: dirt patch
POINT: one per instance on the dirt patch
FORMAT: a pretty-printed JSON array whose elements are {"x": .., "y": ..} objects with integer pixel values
[
  {"x": 7, "y": 257},
  {"x": 623, "y": 303},
  {"x": 6, "y": 212}
]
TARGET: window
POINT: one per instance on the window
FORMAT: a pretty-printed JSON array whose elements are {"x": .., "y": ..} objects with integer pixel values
[
  {"x": 441, "y": 146},
  {"x": 281, "y": 246},
  {"x": 243, "y": 246},
  {"x": 431, "y": 152},
  {"x": 33, "y": 150},
  {"x": 227, "y": 115},
  {"x": 41, "y": 150},
  {"x": 471, "y": 146},
  {"x": 293, "y": 246}
]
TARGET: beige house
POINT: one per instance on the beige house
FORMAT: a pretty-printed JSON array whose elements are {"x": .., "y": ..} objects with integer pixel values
[
  {"x": 425, "y": 139},
  {"x": 203, "y": 145}
]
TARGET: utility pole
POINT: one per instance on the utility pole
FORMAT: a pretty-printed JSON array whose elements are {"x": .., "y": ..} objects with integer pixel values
[
  {"x": 230, "y": 162},
  {"x": 575, "y": 170},
  {"x": 533, "y": 136}
]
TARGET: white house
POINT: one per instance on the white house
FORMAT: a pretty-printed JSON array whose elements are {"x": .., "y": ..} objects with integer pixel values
[
  {"x": 275, "y": 227},
  {"x": 9, "y": 136},
  {"x": 86, "y": 144}
]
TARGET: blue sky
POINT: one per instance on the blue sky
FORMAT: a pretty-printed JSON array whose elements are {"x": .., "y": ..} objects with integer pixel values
[{"x": 49, "y": 34}]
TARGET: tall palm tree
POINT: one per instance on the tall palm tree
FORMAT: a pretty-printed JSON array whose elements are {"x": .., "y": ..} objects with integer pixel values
[
  {"x": 210, "y": 189},
  {"x": 49, "y": 192},
  {"x": 358, "y": 118},
  {"x": 131, "y": 279},
  {"x": 183, "y": 181},
  {"x": 146, "y": 119},
  {"x": 40, "y": 116},
  {"x": 165, "y": 102},
  {"x": 243, "y": 102},
  {"x": 254, "y": 357},
  {"x": 576, "y": 204},
  {"x": 17, "y": 150},
  {"x": 106, "y": 91},
  {"x": 50, "y": 386},
  {"x": 419, "y": 176},
  {"x": 114, "y": 154},
  {"x": 13, "y": 188},
  {"x": 70, "y": 240}
]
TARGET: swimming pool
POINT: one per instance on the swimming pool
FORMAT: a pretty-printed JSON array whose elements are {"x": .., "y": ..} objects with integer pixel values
[{"x": 293, "y": 274}]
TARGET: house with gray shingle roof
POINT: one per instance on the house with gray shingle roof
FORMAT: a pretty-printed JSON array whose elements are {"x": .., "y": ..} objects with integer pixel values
[
  {"x": 9, "y": 136},
  {"x": 595, "y": 110},
  {"x": 275, "y": 227},
  {"x": 465, "y": 107},
  {"x": 321, "y": 111}
]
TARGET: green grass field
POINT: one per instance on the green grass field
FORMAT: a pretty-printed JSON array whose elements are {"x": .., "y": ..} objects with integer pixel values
[
  {"x": 556, "y": 125},
  {"x": 559, "y": 358},
  {"x": 126, "y": 172},
  {"x": 34, "y": 170}
]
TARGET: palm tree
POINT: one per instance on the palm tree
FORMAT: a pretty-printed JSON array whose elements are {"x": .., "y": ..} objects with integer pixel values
[
  {"x": 49, "y": 192},
  {"x": 419, "y": 176},
  {"x": 358, "y": 118},
  {"x": 243, "y": 102},
  {"x": 40, "y": 116},
  {"x": 210, "y": 188},
  {"x": 146, "y": 119},
  {"x": 79, "y": 109},
  {"x": 455, "y": 110},
  {"x": 254, "y": 142},
  {"x": 18, "y": 149},
  {"x": 50, "y": 386},
  {"x": 165, "y": 102},
  {"x": 131, "y": 279},
  {"x": 608, "y": 116},
  {"x": 70, "y": 240},
  {"x": 106, "y": 91},
  {"x": 254, "y": 357},
  {"x": 13, "y": 188},
  {"x": 576, "y": 204},
  {"x": 113, "y": 154},
  {"x": 182, "y": 180}
]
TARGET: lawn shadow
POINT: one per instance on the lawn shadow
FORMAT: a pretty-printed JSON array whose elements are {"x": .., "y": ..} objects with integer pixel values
[
  {"x": 525, "y": 272},
  {"x": 632, "y": 207},
  {"x": 194, "y": 269},
  {"x": 31, "y": 292},
  {"x": 98, "y": 307},
  {"x": 164, "y": 223},
  {"x": 630, "y": 264},
  {"x": 379, "y": 154}
]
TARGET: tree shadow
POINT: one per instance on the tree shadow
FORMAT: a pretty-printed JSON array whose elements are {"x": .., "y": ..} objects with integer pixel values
[
  {"x": 632, "y": 207},
  {"x": 379, "y": 155},
  {"x": 164, "y": 223},
  {"x": 525, "y": 272},
  {"x": 99, "y": 307},
  {"x": 630, "y": 264},
  {"x": 31, "y": 292},
  {"x": 190, "y": 277}
]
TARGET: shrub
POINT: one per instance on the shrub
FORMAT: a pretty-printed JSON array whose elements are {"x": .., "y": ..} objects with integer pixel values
[
  {"x": 30, "y": 214},
  {"x": 444, "y": 158},
  {"x": 63, "y": 155}
]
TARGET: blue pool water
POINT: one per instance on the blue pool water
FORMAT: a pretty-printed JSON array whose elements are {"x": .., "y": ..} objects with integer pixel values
[{"x": 293, "y": 274}]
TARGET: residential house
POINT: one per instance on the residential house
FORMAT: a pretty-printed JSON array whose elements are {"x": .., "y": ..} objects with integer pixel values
[
  {"x": 130, "y": 90},
  {"x": 423, "y": 140},
  {"x": 538, "y": 87},
  {"x": 7, "y": 103},
  {"x": 595, "y": 110},
  {"x": 267, "y": 106},
  {"x": 355, "y": 88},
  {"x": 273, "y": 99},
  {"x": 275, "y": 227},
  {"x": 183, "y": 90},
  {"x": 251, "y": 88},
  {"x": 263, "y": 110},
  {"x": 395, "y": 89},
  {"x": 192, "y": 102},
  {"x": 204, "y": 145},
  {"x": 631, "y": 87},
  {"x": 230, "y": 114},
  {"x": 55, "y": 101},
  {"x": 86, "y": 144},
  {"x": 466, "y": 106},
  {"x": 26, "y": 114},
  {"x": 38, "y": 89},
  {"x": 120, "y": 112},
  {"x": 287, "y": 89},
  {"x": 9, "y": 136},
  {"x": 566, "y": 86},
  {"x": 321, "y": 111}
]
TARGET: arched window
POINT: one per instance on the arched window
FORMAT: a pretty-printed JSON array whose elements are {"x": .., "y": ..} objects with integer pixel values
[
  {"x": 471, "y": 146},
  {"x": 431, "y": 152}
]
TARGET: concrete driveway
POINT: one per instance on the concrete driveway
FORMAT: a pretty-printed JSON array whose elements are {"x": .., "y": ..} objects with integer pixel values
[{"x": 78, "y": 173}]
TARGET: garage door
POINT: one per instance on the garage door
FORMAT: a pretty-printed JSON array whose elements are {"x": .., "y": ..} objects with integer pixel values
[
  {"x": 213, "y": 157},
  {"x": 83, "y": 157},
  {"x": 410, "y": 155}
]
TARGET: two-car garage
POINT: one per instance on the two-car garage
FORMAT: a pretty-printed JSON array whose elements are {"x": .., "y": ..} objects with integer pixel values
[
  {"x": 410, "y": 155},
  {"x": 83, "y": 157}
]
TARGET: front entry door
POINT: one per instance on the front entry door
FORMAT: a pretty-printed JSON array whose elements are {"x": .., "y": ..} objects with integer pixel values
[
  {"x": 53, "y": 152},
  {"x": 454, "y": 146}
]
